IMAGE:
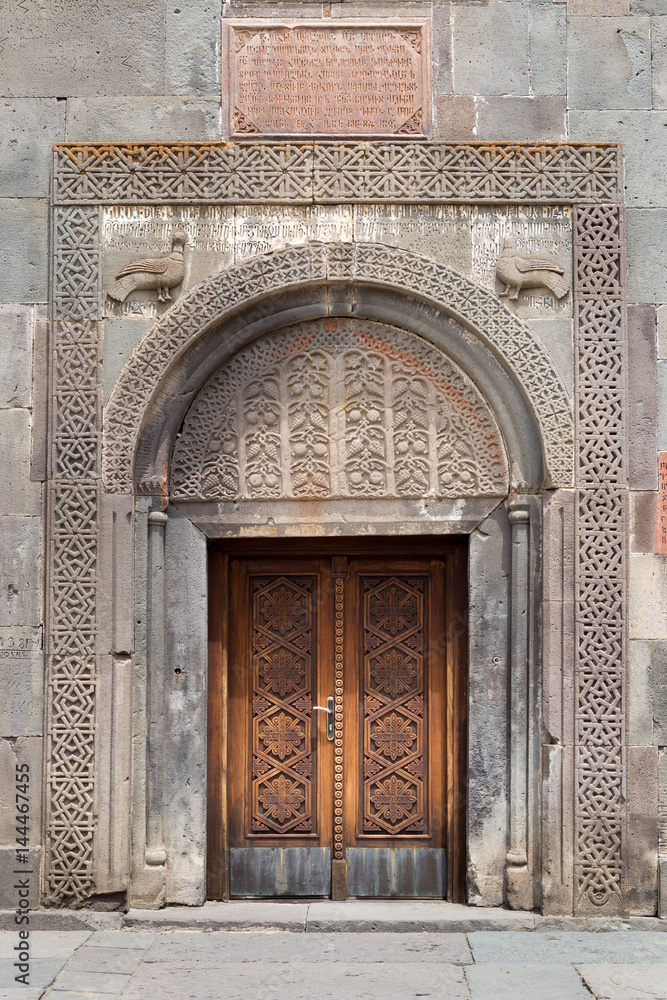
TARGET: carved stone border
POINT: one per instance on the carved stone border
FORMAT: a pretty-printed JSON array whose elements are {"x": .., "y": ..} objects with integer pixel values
[{"x": 336, "y": 172}]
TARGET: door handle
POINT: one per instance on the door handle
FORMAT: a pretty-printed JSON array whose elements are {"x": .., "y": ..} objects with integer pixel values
[{"x": 330, "y": 716}]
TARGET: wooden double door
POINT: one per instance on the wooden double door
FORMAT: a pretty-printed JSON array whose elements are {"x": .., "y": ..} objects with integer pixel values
[{"x": 336, "y": 723}]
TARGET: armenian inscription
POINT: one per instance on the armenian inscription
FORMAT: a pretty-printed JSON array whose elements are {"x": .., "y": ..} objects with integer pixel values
[{"x": 328, "y": 79}]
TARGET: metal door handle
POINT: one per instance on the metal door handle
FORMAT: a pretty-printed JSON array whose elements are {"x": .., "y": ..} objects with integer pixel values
[{"x": 330, "y": 716}]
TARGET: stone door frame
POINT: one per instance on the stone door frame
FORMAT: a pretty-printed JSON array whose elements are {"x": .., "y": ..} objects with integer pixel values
[{"x": 96, "y": 664}]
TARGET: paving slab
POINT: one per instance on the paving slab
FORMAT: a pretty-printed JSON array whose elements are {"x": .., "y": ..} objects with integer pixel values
[
  {"x": 303, "y": 981},
  {"x": 639, "y": 981},
  {"x": 69, "y": 995},
  {"x": 217, "y": 948},
  {"x": 567, "y": 946},
  {"x": 402, "y": 916},
  {"x": 543, "y": 980},
  {"x": 114, "y": 960},
  {"x": 43, "y": 944},
  {"x": 121, "y": 939},
  {"x": 234, "y": 915},
  {"x": 90, "y": 982},
  {"x": 25, "y": 993},
  {"x": 42, "y": 971}
]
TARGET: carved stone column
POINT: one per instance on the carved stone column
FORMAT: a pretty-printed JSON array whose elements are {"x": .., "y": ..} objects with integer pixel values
[
  {"x": 156, "y": 855},
  {"x": 519, "y": 877}
]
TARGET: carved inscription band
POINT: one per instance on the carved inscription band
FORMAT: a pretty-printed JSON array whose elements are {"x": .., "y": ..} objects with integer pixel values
[{"x": 330, "y": 172}]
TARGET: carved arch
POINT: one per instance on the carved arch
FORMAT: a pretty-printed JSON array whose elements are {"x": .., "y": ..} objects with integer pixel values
[{"x": 178, "y": 354}]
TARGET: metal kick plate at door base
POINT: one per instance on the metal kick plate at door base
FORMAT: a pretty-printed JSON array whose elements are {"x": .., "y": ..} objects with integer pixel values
[{"x": 330, "y": 716}]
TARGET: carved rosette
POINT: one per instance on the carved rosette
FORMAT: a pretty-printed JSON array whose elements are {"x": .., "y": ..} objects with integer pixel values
[{"x": 338, "y": 408}]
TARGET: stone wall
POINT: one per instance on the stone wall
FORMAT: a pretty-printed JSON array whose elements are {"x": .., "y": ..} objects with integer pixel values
[{"x": 149, "y": 70}]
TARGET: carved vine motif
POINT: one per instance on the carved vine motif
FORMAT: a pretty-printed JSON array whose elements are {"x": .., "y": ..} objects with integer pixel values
[
  {"x": 338, "y": 408},
  {"x": 394, "y": 728},
  {"x": 282, "y": 665}
]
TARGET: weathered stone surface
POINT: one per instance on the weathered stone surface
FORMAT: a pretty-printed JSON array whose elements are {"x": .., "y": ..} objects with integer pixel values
[
  {"x": 258, "y": 230},
  {"x": 454, "y": 119},
  {"x": 444, "y": 232},
  {"x": 619, "y": 48},
  {"x": 641, "y": 875},
  {"x": 662, "y": 890},
  {"x": 640, "y": 692},
  {"x": 548, "y": 50},
  {"x": 548, "y": 980},
  {"x": 106, "y": 959},
  {"x": 20, "y": 587},
  {"x": 566, "y": 946},
  {"x": 46, "y": 944},
  {"x": 557, "y": 337},
  {"x": 28, "y": 127},
  {"x": 636, "y": 981},
  {"x": 644, "y": 138},
  {"x": 599, "y": 8},
  {"x": 659, "y": 61},
  {"x": 121, "y": 336},
  {"x": 185, "y": 707},
  {"x": 642, "y": 419},
  {"x": 16, "y": 327},
  {"x": 662, "y": 815},
  {"x": 441, "y": 49},
  {"x": 192, "y": 65},
  {"x": 648, "y": 597},
  {"x": 18, "y": 495},
  {"x": 662, "y": 405},
  {"x": 137, "y": 119},
  {"x": 21, "y": 681},
  {"x": 92, "y": 982},
  {"x": 643, "y": 521},
  {"x": 498, "y": 69},
  {"x": 15, "y": 753},
  {"x": 521, "y": 118},
  {"x": 114, "y": 49},
  {"x": 645, "y": 6},
  {"x": 140, "y": 940},
  {"x": 647, "y": 254},
  {"x": 659, "y": 691},
  {"x": 662, "y": 331},
  {"x": 24, "y": 249},
  {"x": 557, "y": 829},
  {"x": 9, "y": 891},
  {"x": 488, "y": 637}
]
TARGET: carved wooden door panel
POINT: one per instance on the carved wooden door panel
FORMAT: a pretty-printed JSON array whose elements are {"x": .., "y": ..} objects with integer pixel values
[
  {"x": 366, "y": 801},
  {"x": 394, "y": 726},
  {"x": 280, "y": 803}
]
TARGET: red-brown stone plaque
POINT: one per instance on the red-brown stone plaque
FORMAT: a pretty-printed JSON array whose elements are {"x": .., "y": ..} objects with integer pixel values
[
  {"x": 328, "y": 78},
  {"x": 661, "y": 525}
]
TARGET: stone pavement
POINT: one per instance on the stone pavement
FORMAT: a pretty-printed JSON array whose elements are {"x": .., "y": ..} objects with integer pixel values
[{"x": 271, "y": 951}]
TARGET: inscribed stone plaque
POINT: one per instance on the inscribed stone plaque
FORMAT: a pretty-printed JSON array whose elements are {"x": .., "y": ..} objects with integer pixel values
[
  {"x": 661, "y": 525},
  {"x": 328, "y": 78}
]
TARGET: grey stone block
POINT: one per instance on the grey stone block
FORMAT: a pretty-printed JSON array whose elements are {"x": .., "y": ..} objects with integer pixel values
[
  {"x": 659, "y": 691},
  {"x": 24, "y": 249},
  {"x": 659, "y": 61},
  {"x": 557, "y": 829},
  {"x": 16, "y": 753},
  {"x": 546, "y": 980},
  {"x": 643, "y": 521},
  {"x": 114, "y": 48},
  {"x": 441, "y": 47},
  {"x": 39, "y": 396},
  {"x": 139, "y": 119},
  {"x": 662, "y": 894},
  {"x": 648, "y": 596},
  {"x": 548, "y": 50},
  {"x": 640, "y": 692},
  {"x": 106, "y": 959},
  {"x": 15, "y": 355},
  {"x": 20, "y": 584},
  {"x": 192, "y": 47},
  {"x": 299, "y": 981},
  {"x": 640, "y": 893},
  {"x": 662, "y": 817},
  {"x": 662, "y": 405},
  {"x": 646, "y": 6},
  {"x": 221, "y": 947},
  {"x": 647, "y": 254},
  {"x": 642, "y": 426},
  {"x": 620, "y": 51},
  {"x": 635, "y": 981},
  {"x": 21, "y": 682},
  {"x": 28, "y": 127},
  {"x": 566, "y": 946},
  {"x": 18, "y": 495},
  {"x": 600, "y": 8},
  {"x": 557, "y": 337},
  {"x": 521, "y": 118},
  {"x": 454, "y": 119},
  {"x": 121, "y": 336},
  {"x": 501, "y": 68},
  {"x": 644, "y": 138},
  {"x": 10, "y": 887}
]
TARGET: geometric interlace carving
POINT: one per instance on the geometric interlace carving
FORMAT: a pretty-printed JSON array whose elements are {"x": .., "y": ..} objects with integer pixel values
[
  {"x": 283, "y": 652},
  {"x": 217, "y": 296},
  {"x": 600, "y": 555},
  {"x": 283, "y": 172},
  {"x": 338, "y": 408},
  {"x": 73, "y": 547},
  {"x": 394, "y": 723}
]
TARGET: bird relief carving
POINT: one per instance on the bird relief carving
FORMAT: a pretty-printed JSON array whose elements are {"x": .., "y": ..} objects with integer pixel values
[
  {"x": 519, "y": 270},
  {"x": 148, "y": 273}
]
